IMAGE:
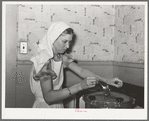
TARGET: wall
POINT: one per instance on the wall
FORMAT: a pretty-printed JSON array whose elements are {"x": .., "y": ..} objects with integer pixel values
[
  {"x": 129, "y": 33},
  {"x": 24, "y": 96},
  {"x": 132, "y": 73},
  {"x": 18, "y": 92},
  {"x": 11, "y": 54},
  {"x": 104, "y": 32},
  {"x": 93, "y": 25}
]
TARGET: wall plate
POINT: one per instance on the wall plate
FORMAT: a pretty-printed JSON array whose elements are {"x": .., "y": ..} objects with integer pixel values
[{"x": 23, "y": 47}]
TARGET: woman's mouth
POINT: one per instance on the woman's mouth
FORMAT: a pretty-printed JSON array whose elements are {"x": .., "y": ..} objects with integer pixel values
[{"x": 65, "y": 49}]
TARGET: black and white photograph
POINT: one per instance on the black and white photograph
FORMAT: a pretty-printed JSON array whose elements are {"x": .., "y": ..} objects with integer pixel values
[{"x": 74, "y": 60}]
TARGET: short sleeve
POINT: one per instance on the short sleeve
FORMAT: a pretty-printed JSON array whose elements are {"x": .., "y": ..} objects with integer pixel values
[
  {"x": 45, "y": 70},
  {"x": 67, "y": 59}
]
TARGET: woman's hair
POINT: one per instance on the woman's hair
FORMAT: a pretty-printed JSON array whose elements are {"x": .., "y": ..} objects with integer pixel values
[{"x": 68, "y": 31}]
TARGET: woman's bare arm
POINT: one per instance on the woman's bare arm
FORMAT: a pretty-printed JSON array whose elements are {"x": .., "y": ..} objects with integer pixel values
[
  {"x": 52, "y": 96},
  {"x": 86, "y": 73},
  {"x": 83, "y": 73}
]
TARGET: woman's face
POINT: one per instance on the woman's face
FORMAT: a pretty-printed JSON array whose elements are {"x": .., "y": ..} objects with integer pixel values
[{"x": 62, "y": 43}]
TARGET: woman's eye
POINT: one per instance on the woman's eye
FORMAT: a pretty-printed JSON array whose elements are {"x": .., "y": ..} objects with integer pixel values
[{"x": 66, "y": 42}]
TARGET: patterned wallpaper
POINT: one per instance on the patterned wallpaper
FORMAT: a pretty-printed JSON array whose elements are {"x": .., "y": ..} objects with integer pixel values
[
  {"x": 129, "y": 33},
  {"x": 103, "y": 32}
]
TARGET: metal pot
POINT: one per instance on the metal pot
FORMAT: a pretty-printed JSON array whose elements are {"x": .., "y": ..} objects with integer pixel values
[{"x": 102, "y": 99}]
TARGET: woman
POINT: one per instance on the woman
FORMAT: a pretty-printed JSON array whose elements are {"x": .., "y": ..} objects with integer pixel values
[{"x": 46, "y": 77}]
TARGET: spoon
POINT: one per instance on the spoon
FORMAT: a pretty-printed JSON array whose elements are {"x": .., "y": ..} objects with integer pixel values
[{"x": 105, "y": 87}]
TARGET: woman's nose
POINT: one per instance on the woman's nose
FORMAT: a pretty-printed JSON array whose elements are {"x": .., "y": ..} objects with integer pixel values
[{"x": 67, "y": 45}]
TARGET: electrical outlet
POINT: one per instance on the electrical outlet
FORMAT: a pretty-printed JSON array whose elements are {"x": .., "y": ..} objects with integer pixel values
[{"x": 23, "y": 47}]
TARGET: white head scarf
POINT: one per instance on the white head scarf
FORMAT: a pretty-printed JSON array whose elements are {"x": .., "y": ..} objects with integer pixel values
[{"x": 44, "y": 51}]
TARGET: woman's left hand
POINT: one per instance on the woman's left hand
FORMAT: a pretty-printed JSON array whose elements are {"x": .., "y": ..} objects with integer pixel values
[{"x": 115, "y": 82}]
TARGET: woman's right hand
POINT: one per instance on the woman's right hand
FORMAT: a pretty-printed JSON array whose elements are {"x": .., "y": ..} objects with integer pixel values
[{"x": 88, "y": 82}]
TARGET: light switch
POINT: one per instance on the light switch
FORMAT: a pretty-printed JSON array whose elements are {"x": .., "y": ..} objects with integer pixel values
[{"x": 23, "y": 47}]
